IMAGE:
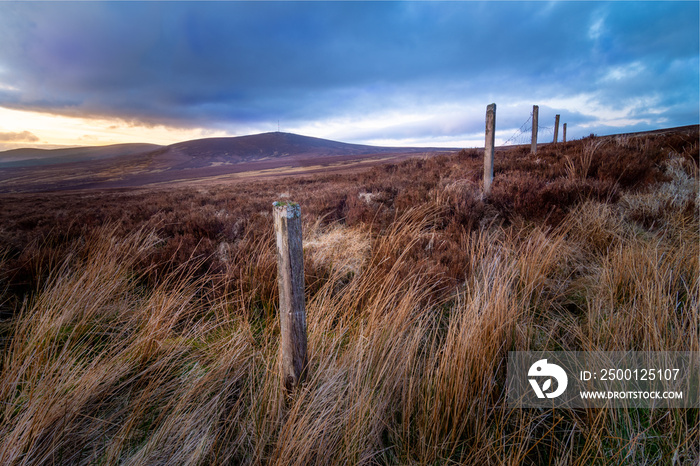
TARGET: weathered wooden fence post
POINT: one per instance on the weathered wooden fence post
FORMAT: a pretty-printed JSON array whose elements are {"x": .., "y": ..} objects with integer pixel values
[
  {"x": 556, "y": 129},
  {"x": 535, "y": 112},
  {"x": 489, "y": 147},
  {"x": 563, "y": 133},
  {"x": 290, "y": 278}
]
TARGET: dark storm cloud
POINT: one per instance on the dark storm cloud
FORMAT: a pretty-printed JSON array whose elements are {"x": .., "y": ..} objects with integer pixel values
[{"x": 221, "y": 63}]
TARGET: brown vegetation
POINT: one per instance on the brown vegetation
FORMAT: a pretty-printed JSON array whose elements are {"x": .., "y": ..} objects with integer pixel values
[
  {"x": 139, "y": 165},
  {"x": 139, "y": 327}
]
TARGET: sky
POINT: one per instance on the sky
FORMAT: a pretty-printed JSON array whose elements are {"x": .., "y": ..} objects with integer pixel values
[{"x": 393, "y": 73}]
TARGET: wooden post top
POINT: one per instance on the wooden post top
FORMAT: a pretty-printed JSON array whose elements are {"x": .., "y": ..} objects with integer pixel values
[{"x": 288, "y": 209}]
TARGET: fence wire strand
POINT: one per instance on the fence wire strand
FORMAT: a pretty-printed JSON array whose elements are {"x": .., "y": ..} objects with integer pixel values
[
  {"x": 518, "y": 132},
  {"x": 523, "y": 135}
]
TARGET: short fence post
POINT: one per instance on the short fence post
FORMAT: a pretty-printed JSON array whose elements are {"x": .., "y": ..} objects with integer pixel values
[
  {"x": 556, "y": 129},
  {"x": 563, "y": 133},
  {"x": 489, "y": 147},
  {"x": 535, "y": 112},
  {"x": 290, "y": 262}
]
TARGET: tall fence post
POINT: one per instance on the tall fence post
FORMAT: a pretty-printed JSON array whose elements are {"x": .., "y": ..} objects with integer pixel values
[
  {"x": 556, "y": 129},
  {"x": 535, "y": 115},
  {"x": 489, "y": 147},
  {"x": 563, "y": 133},
  {"x": 290, "y": 278}
]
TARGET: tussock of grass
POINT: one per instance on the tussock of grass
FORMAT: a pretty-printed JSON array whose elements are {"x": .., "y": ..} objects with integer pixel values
[
  {"x": 117, "y": 359},
  {"x": 339, "y": 249}
]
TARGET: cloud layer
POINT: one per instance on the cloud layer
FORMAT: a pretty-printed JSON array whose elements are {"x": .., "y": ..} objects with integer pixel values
[
  {"x": 24, "y": 136},
  {"x": 359, "y": 71}
]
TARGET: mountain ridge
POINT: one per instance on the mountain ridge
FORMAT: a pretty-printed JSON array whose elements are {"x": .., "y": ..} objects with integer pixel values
[
  {"x": 224, "y": 159},
  {"x": 139, "y": 165},
  {"x": 37, "y": 156},
  {"x": 236, "y": 148}
]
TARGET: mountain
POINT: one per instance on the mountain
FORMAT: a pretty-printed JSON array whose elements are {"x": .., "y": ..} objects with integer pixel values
[
  {"x": 272, "y": 145},
  {"x": 217, "y": 151},
  {"x": 131, "y": 165},
  {"x": 33, "y": 157}
]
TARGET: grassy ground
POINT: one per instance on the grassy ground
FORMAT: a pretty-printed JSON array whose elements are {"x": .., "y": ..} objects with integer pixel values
[{"x": 141, "y": 328}]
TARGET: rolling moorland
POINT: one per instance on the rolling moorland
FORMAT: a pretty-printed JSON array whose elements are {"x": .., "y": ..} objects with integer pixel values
[
  {"x": 137, "y": 165},
  {"x": 139, "y": 325}
]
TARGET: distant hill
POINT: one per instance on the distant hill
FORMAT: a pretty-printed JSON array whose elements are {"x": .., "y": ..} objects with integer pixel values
[
  {"x": 256, "y": 156},
  {"x": 131, "y": 165},
  {"x": 200, "y": 151},
  {"x": 272, "y": 145},
  {"x": 34, "y": 157},
  {"x": 205, "y": 152}
]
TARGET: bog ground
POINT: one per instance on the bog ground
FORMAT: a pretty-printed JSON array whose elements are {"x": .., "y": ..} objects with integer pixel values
[{"x": 140, "y": 326}]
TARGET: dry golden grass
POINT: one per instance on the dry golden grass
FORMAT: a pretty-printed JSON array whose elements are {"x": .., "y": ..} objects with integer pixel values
[{"x": 113, "y": 362}]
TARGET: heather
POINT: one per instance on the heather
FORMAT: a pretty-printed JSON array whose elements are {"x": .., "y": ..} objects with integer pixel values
[{"x": 140, "y": 326}]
